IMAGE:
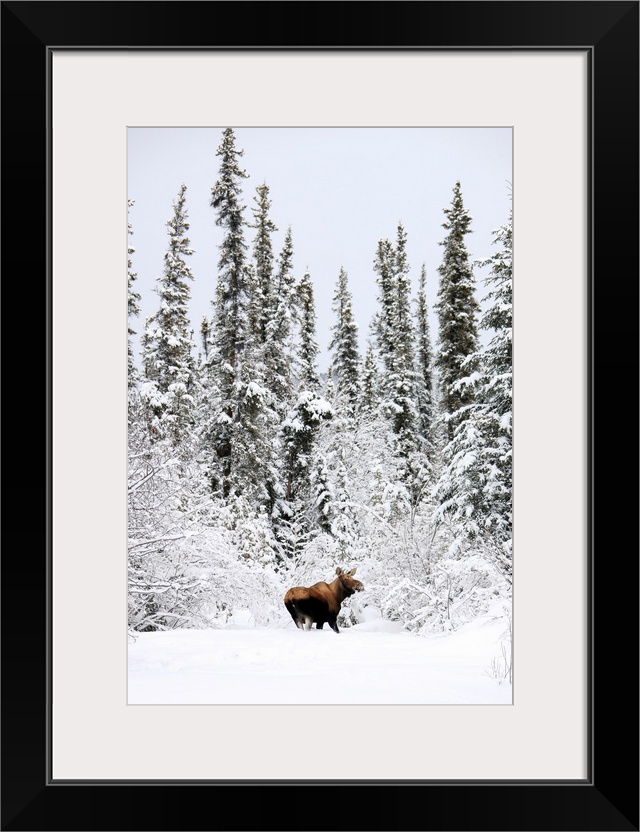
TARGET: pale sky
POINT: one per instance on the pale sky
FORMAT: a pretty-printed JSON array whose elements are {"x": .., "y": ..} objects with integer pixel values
[{"x": 340, "y": 189}]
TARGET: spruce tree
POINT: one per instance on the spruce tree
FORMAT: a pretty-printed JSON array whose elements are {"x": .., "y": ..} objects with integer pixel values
[
  {"x": 133, "y": 308},
  {"x": 382, "y": 327},
  {"x": 232, "y": 301},
  {"x": 475, "y": 489},
  {"x": 305, "y": 417},
  {"x": 424, "y": 365},
  {"x": 322, "y": 494},
  {"x": 308, "y": 349},
  {"x": 231, "y": 329},
  {"x": 263, "y": 257},
  {"x": 344, "y": 344},
  {"x": 279, "y": 344},
  {"x": 497, "y": 387},
  {"x": 205, "y": 335},
  {"x": 370, "y": 393},
  {"x": 457, "y": 309},
  {"x": 345, "y": 524},
  {"x": 167, "y": 342},
  {"x": 393, "y": 330},
  {"x": 402, "y": 383}
]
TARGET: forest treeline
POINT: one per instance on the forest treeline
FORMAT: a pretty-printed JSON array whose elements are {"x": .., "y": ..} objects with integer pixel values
[{"x": 249, "y": 471}]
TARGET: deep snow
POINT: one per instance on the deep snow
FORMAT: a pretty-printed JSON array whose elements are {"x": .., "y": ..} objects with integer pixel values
[{"x": 370, "y": 663}]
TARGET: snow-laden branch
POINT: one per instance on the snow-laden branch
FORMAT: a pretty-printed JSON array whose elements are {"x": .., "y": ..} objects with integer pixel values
[
  {"x": 351, "y": 504},
  {"x": 136, "y": 485},
  {"x": 156, "y": 540}
]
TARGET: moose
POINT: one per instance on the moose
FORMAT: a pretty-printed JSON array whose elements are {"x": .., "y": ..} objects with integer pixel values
[{"x": 321, "y": 602}]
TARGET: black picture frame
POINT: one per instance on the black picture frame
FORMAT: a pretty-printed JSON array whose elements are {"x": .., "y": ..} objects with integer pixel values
[{"x": 608, "y": 798}]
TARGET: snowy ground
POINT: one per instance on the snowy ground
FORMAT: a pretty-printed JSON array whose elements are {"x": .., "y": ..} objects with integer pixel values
[{"x": 371, "y": 663}]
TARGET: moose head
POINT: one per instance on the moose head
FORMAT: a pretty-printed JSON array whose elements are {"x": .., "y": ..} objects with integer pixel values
[{"x": 348, "y": 583}]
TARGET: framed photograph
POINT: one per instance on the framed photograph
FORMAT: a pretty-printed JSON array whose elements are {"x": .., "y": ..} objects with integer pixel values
[
  {"x": 341, "y": 462},
  {"x": 84, "y": 82}
]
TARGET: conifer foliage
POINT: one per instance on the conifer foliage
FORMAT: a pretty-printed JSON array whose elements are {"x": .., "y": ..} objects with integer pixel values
[
  {"x": 239, "y": 431},
  {"x": 458, "y": 310},
  {"x": 133, "y": 308},
  {"x": 475, "y": 488},
  {"x": 168, "y": 342},
  {"x": 424, "y": 365},
  {"x": 344, "y": 344}
]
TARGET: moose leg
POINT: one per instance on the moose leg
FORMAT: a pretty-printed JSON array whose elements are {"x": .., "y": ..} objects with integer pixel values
[
  {"x": 334, "y": 625},
  {"x": 308, "y": 623},
  {"x": 319, "y": 625},
  {"x": 293, "y": 612}
]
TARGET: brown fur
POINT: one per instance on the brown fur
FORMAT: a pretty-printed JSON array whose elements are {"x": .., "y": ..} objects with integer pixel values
[{"x": 321, "y": 602}]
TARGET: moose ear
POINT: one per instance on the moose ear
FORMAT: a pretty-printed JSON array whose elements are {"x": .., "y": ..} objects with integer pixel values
[
  {"x": 353, "y": 571},
  {"x": 339, "y": 571}
]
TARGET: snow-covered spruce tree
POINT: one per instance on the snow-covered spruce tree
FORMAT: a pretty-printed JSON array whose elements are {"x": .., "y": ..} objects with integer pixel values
[
  {"x": 310, "y": 409},
  {"x": 370, "y": 391},
  {"x": 303, "y": 421},
  {"x": 230, "y": 328},
  {"x": 263, "y": 257},
  {"x": 279, "y": 332},
  {"x": 271, "y": 304},
  {"x": 402, "y": 384},
  {"x": 424, "y": 367},
  {"x": 382, "y": 325},
  {"x": 205, "y": 336},
  {"x": 307, "y": 352},
  {"x": 374, "y": 465},
  {"x": 232, "y": 300},
  {"x": 345, "y": 525},
  {"x": 133, "y": 308},
  {"x": 393, "y": 330},
  {"x": 497, "y": 387},
  {"x": 239, "y": 429},
  {"x": 344, "y": 345},
  {"x": 475, "y": 488},
  {"x": 458, "y": 310},
  {"x": 394, "y": 334},
  {"x": 167, "y": 340},
  {"x": 322, "y": 494}
]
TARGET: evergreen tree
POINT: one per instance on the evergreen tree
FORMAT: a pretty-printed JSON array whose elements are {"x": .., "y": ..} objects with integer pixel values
[
  {"x": 424, "y": 369},
  {"x": 322, "y": 493},
  {"x": 205, "y": 334},
  {"x": 383, "y": 323},
  {"x": 457, "y": 309},
  {"x": 133, "y": 308},
  {"x": 393, "y": 331},
  {"x": 232, "y": 292},
  {"x": 308, "y": 350},
  {"x": 231, "y": 329},
  {"x": 402, "y": 381},
  {"x": 273, "y": 301},
  {"x": 232, "y": 300},
  {"x": 345, "y": 526},
  {"x": 243, "y": 428},
  {"x": 279, "y": 343},
  {"x": 497, "y": 392},
  {"x": 304, "y": 419},
  {"x": 370, "y": 394},
  {"x": 299, "y": 434},
  {"x": 475, "y": 489},
  {"x": 167, "y": 342},
  {"x": 346, "y": 355},
  {"x": 263, "y": 256}
]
